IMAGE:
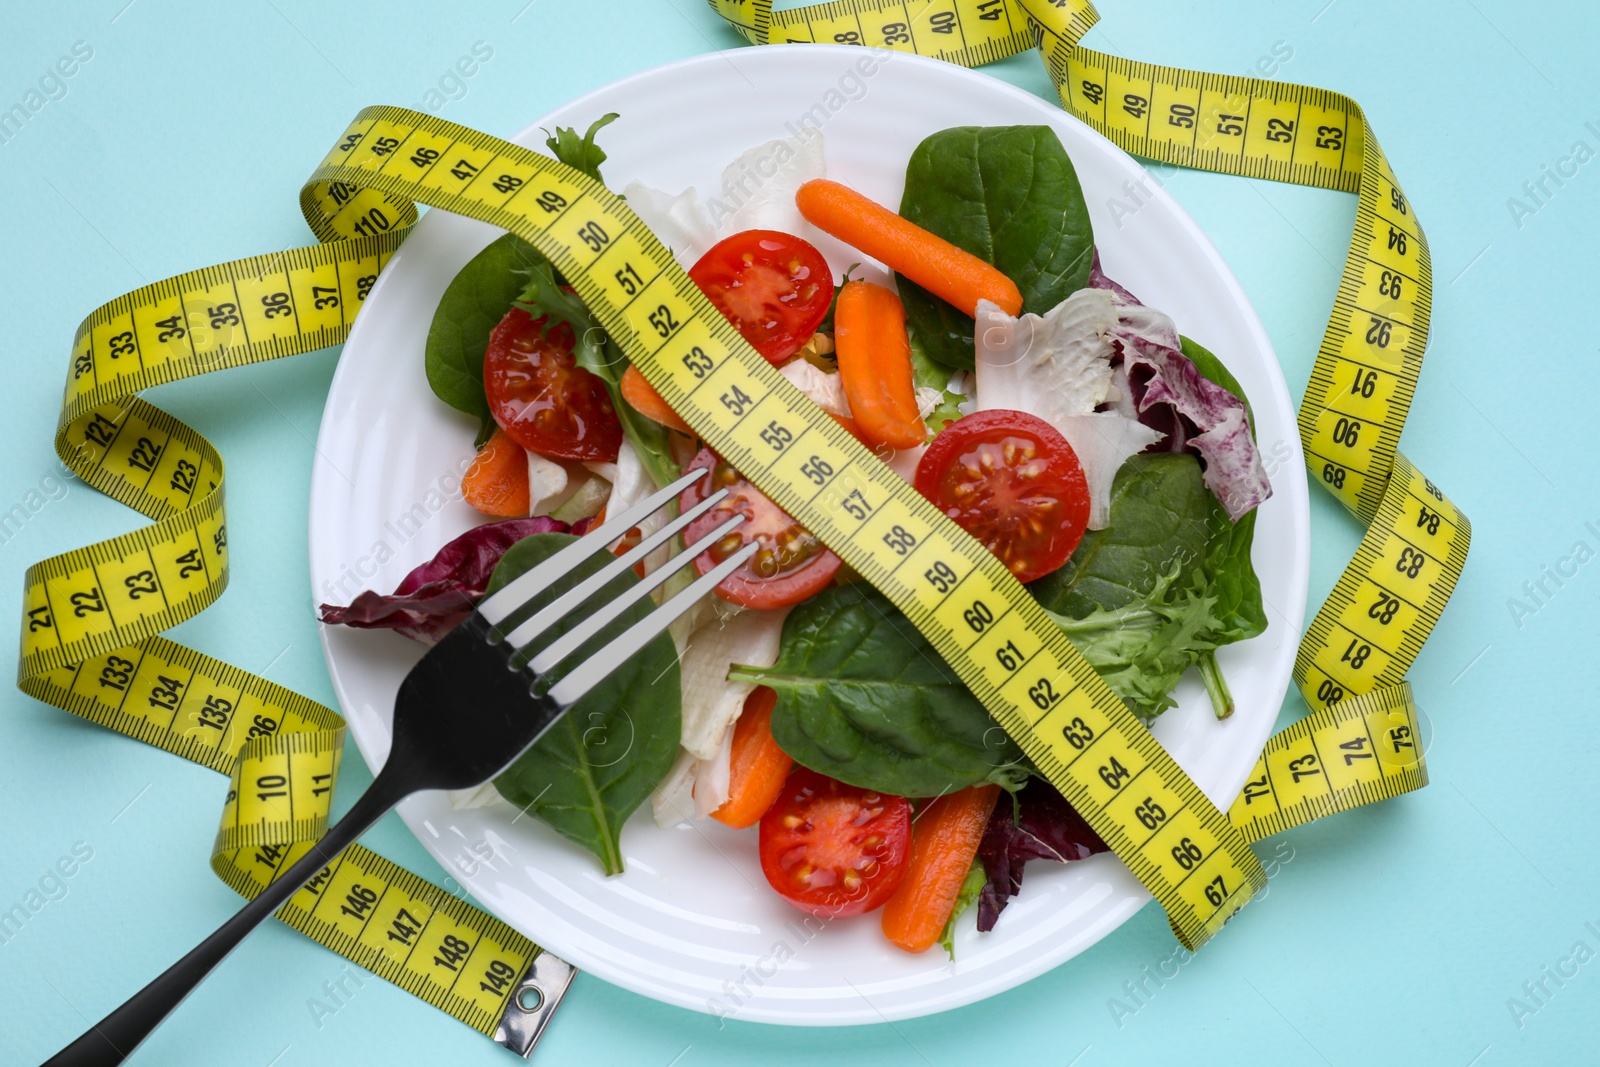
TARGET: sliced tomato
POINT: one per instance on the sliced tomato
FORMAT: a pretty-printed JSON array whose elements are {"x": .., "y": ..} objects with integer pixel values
[
  {"x": 832, "y": 849},
  {"x": 791, "y": 563},
  {"x": 774, "y": 287},
  {"x": 1010, "y": 480},
  {"x": 541, "y": 397}
]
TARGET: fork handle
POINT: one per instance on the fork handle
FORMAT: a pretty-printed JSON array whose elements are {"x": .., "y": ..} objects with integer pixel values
[{"x": 113, "y": 1039}]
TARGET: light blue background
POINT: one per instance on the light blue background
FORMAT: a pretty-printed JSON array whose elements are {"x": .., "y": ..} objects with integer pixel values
[{"x": 1393, "y": 934}]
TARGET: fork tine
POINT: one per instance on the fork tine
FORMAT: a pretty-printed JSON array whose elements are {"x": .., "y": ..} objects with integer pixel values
[
  {"x": 546, "y": 616},
  {"x": 495, "y": 609},
  {"x": 569, "y": 642},
  {"x": 593, "y": 670}
]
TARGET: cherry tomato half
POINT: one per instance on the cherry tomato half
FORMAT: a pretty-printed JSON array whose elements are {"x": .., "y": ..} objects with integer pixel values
[
  {"x": 774, "y": 287},
  {"x": 1012, "y": 481},
  {"x": 541, "y": 397},
  {"x": 791, "y": 563},
  {"x": 832, "y": 849}
]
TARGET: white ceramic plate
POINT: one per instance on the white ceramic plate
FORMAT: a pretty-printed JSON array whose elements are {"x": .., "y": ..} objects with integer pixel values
[{"x": 692, "y": 922}]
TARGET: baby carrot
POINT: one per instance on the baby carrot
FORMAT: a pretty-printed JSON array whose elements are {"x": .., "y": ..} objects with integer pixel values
[
  {"x": 944, "y": 839},
  {"x": 760, "y": 767},
  {"x": 497, "y": 481},
  {"x": 938, "y": 266},
  {"x": 875, "y": 365},
  {"x": 637, "y": 391}
]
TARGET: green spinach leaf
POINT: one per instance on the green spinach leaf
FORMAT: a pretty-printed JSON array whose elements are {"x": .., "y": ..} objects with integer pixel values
[
  {"x": 603, "y": 758},
  {"x": 1159, "y": 512},
  {"x": 1009, "y": 195},
  {"x": 864, "y": 698},
  {"x": 476, "y": 299}
]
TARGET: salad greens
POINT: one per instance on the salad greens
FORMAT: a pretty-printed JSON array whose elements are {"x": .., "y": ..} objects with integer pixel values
[
  {"x": 926, "y": 374},
  {"x": 473, "y": 303},
  {"x": 1160, "y": 588},
  {"x": 1009, "y": 195},
  {"x": 864, "y": 698},
  {"x": 611, "y": 749},
  {"x": 580, "y": 153}
]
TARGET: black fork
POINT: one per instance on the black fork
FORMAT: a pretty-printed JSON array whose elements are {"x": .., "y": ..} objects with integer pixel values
[{"x": 464, "y": 713}]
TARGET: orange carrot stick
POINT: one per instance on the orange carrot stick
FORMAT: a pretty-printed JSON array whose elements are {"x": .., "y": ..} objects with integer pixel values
[
  {"x": 938, "y": 266},
  {"x": 497, "y": 481},
  {"x": 944, "y": 839},
  {"x": 759, "y": 765},
  {"x": 638, "y": 391},
  {"x": 875, "y": 365}
]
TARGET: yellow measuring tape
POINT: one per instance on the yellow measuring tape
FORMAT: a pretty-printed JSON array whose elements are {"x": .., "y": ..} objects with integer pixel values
[{"x": 91, "y": 617}]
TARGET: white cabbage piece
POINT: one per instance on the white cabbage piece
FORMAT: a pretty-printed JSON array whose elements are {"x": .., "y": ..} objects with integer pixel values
[
  {"x": 1103, "y": 441},
  {"x": 711, "y": 702},
  {"x": 713, "y": 778},
  {"x": 1051, "y": 365},
  {"x": 547, "y": 484},
  {"x": 1057, "y": 366},
  {"x": 679, "y": 220},
  {"x": 673, "y": 801},
  {"x": 824, "y": 390},
  {"x": 758, "y": 188},
  {"x": 757, "y": 194},
  {"x": 632, "y": 486}
]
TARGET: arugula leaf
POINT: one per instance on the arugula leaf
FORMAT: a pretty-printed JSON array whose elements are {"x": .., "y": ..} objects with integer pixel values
[
  {"x": 864, "y": 698},
  {"x": 472, "y": 304},
  {"x": 971, "y": 886},
  {"x": 603, "y": 758},
  {"x": 1142, "y": 648},
  {"x": 1137, "y": 598},
  {"x": 580, "y": 153},
  {"x": 1009, "y": 195}
]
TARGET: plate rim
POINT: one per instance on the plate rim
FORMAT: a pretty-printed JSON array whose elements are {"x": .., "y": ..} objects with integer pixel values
[{"x": 1299, "y": 555}]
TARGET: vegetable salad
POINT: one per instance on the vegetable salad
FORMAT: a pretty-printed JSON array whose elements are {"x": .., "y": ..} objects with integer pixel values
[{"x": 977, "y": 347}]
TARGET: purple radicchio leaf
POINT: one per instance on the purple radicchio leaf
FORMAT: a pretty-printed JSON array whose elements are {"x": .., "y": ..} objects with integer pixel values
[
  {"x": 1098, "y": 280},
  {"x": 1171, "y": 395},
  {"x": 434, "y": 597},
  {"x": 1041, "y": 825}
]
